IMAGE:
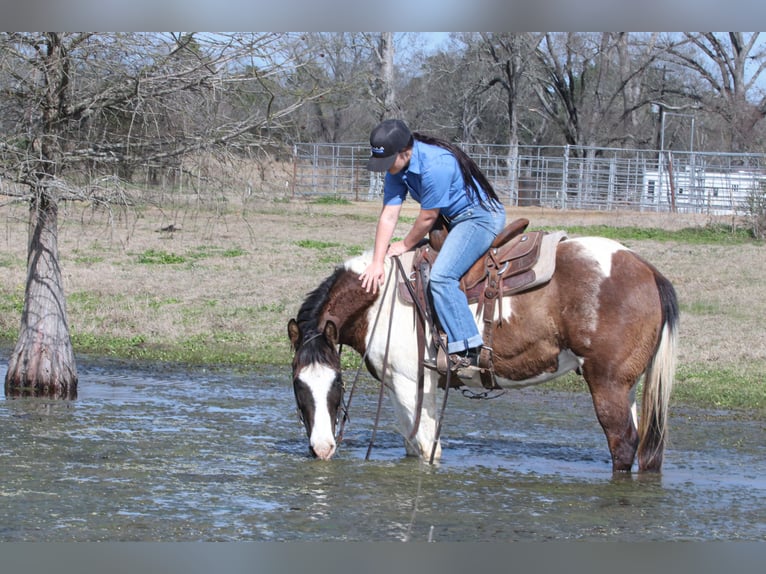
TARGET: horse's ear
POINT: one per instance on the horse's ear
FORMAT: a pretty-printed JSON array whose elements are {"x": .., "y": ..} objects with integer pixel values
[
  {"x": 294, "y": 332},
  {"x": 331, "y": 332}
]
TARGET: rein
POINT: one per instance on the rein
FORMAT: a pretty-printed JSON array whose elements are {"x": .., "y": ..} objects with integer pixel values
[
  {"x": 385, "y": 366},
  {"x": 425, "y": 317},
  {"x": 347, "y": 404}
]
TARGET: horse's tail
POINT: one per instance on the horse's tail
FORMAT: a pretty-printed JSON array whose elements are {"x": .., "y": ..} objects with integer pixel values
[{"x": 658, "y": 382}]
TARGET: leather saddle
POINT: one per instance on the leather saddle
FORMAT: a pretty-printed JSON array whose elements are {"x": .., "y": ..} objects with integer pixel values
[
  {"x": 511, "y": 265},
  {"x": 506, "y": 268}
]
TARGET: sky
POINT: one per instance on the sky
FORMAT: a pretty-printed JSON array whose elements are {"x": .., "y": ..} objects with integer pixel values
[
  {"x": 436, "y": 39},
  {"x": 401, "y": 15}
]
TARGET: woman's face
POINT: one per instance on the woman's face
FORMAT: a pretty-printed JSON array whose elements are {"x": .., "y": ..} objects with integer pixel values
[{"x": 401, "y": 161}]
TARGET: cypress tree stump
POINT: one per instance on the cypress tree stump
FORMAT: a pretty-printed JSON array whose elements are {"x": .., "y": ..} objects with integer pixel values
[{"x": 42, "y": 363}]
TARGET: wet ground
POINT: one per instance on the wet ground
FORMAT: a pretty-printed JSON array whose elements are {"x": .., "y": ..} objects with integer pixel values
[{"x": 154, "y": 453}]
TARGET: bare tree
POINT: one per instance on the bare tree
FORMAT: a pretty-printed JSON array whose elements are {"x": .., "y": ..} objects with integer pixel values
[
  {"x": 78, "y": 105},
  {"x": 358, "y": 74},
  {"x": 382, "y": 80},
  {"x": 510, "y": 55},
  {"x": 448, "y": 97},
  {"x": 589, "y": 84},
  {"x": 729, "y": 67},
  {"x": 386, "y": 54}
]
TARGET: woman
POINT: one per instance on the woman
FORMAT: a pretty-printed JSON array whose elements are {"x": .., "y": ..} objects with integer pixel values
[{"x": 446, "y": 182}]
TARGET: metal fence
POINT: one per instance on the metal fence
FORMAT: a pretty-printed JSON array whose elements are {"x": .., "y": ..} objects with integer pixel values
[{"x": 567, "y": 177}]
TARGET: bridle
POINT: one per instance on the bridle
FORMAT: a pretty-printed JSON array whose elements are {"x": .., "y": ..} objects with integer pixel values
[{"x": 342, "y": 407}]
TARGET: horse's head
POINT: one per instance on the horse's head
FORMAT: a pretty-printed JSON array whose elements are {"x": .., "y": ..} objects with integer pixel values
[{"x": 317, "y": 384}]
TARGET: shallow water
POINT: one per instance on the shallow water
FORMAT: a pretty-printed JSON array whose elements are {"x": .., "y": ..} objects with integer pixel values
[{"x": 155, "y": 453}]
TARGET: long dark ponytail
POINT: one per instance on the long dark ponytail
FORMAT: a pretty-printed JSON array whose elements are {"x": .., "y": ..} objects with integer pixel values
[{"x": 468, "y": 168}]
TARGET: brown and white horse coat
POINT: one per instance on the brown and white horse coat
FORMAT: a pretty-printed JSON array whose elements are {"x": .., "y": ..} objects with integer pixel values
[{"x": 606, "y": 313}]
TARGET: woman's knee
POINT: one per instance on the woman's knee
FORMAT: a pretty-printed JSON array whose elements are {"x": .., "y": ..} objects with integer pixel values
[{"x": 441, "y": 283}]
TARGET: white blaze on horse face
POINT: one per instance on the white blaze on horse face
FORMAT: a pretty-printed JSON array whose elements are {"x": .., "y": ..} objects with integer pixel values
[{"x": 320, "y": 378}]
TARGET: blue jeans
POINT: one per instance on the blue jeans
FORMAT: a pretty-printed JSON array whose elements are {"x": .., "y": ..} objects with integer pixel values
[{"x": 470, "y": 236}]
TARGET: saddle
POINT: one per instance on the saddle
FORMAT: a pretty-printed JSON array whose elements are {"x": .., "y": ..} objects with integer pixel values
[{"x": 518, "y": 260}]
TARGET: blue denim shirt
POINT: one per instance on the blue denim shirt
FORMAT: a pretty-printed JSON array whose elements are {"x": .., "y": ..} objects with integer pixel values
[{"x": 433, "y": 179}]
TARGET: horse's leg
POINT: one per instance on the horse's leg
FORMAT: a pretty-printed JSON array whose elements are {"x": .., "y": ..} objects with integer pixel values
[
  {"x": 615, "y": 409},
  {"x": 403, "y": 394}
]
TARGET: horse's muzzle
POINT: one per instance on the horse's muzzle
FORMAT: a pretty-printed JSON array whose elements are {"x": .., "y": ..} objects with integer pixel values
[{"x": 323, "y": 451}]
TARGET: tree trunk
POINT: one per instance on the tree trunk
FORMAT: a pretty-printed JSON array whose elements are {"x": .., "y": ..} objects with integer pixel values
[
  {"x": 43, "y": 363},
  {"x": 390, "y": 109}
]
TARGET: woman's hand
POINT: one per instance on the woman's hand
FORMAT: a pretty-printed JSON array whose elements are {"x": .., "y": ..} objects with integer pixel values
[
  {"x": 372, "y": 277},
  {"x": 396, "y": 248}
]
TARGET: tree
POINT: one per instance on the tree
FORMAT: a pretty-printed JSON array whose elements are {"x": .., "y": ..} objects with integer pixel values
[
  {"x": 510, "y": 55},
  {"x": 590, "y": 85},
  {"x": 728, "y": 67},
  {"x": 336, "y": 63},
  {"x": 387, "y": 88},
  {"x": 78, "y": 106},
  {"x": 447, "y": 96}
]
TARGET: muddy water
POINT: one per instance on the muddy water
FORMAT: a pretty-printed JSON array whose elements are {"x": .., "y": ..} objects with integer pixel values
[{"x": 160, "y": 454}]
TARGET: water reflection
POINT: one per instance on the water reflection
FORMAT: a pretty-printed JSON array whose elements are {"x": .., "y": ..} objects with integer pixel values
[{"x": 164, "y": 454}]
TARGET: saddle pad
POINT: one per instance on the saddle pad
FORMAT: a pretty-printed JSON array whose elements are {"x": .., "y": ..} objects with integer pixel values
[{"x": 546, "y": 264}]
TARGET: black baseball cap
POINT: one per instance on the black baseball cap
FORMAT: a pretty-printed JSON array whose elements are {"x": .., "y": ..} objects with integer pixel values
[{"x": 387, "y": 139}]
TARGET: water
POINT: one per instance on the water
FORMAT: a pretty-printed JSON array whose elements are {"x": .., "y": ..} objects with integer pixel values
[{"x": 155, "y": 453}]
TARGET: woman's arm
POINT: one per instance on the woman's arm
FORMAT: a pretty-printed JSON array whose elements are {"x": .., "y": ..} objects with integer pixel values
[
  {"x": 423, "y": 224},
  {"x": 374, "y": 275}
]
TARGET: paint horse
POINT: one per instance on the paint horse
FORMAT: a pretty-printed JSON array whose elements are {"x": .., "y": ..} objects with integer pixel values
[{"x": 605, "y": 313}]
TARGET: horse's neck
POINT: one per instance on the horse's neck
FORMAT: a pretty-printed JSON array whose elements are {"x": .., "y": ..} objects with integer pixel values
[{"x": 346, "y": 306}]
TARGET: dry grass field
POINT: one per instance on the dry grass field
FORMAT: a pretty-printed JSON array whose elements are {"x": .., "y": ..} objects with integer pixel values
[{"x": 222, "y": 285}]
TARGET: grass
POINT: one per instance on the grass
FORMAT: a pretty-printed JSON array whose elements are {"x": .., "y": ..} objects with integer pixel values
[
  {"x": 11, "y": 303},
  {"x": 718, "y": 234},
  {"x": 728, "y": 387},
  {"x": 161, "y": 257},
  {"x": 314, "y": 244},
  {"x": 221, "y": 290},
  {"x": 702, "y": 308},
  {"x": 158, "y": 257},
  {"x": 331, "y": 200}
]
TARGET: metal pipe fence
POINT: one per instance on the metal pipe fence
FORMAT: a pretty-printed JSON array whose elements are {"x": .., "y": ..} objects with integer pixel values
[{"x": 565, "y": 177}]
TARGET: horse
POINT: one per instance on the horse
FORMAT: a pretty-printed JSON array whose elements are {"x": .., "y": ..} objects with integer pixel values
[{"x": 606, "y": 313}]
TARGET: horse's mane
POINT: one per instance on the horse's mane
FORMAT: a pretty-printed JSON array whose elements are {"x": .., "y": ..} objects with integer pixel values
[
  {"x": 308, "y": 314},
  {"x": 312, "y": 305}
]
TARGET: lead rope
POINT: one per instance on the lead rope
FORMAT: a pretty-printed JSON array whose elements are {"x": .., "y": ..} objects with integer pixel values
[
  {"x": 385, "y": 366},
  {"x": 444, "y": 406},
  {"x": 347, "y": 404}
]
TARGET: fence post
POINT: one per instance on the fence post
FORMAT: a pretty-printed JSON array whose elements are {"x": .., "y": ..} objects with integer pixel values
[
  {"x": 562, "y": 201},
  {"x": 353, "y": 174},
  {"x": 295, "y": 170}
]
